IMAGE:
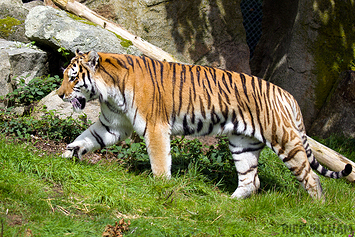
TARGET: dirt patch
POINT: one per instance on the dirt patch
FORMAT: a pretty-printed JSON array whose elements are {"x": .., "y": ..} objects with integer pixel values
[
  {"x": 57, "y": 148},
  {"x": 117, "y": 230}
]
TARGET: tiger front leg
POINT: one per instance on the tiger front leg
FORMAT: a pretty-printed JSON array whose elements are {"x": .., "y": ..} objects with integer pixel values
[
  {"x": 158, "y": 146},
  {"x": 97, "y": 136}
]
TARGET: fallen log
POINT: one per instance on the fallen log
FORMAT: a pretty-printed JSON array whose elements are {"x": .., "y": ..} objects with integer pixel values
[
  {"x": 145, "y": 47},
  {"x": 330, "y": 158},
  {"x": 326, "y": 156}
]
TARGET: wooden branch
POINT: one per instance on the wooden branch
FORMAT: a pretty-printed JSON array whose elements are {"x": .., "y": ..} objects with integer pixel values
[
  {"x": 145, "y": 47},
  {"x": 323, "y": 154},
  {"x": 330, "y": 158}
]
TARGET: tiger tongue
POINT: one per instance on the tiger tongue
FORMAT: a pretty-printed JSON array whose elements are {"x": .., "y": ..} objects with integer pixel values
[{"x": 75, "y": 102}]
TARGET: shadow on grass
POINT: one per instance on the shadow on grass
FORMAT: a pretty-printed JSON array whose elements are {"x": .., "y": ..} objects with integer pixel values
[{"x": 213, "y": 164}]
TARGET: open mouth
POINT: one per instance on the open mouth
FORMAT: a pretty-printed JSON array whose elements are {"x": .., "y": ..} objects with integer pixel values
[{"x": 78, "y": 103}]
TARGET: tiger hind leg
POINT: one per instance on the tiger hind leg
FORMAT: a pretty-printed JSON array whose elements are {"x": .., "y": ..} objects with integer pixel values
[
  {"x": 295, "y": 158},
  {"x": 245, "y": 153}
]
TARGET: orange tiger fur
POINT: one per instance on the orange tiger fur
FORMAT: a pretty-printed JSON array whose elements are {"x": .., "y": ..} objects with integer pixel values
[{"x": 160, "y": 99}]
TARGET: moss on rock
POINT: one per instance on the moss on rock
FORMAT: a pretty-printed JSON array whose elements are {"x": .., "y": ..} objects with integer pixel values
[
  {"x": 80, "y": 19},
  {"x": 334, "y": 48},
  {"x": 124, "y": 43},
  {"x": 8, "y": 26}
]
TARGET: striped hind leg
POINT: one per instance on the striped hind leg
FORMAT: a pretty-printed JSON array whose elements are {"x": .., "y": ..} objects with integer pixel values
[
  {"x": 245, "y": 153},
  {"x": 295, "y": 158}
]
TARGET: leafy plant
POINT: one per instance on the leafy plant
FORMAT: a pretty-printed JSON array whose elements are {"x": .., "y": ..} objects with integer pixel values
[
  {"x": 36, "y": 89},
  {"x": 50, "y": 126},
  {"x": 65, "y": 53}
]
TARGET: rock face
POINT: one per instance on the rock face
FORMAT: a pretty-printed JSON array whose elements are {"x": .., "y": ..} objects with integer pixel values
[
  {"x": 304, "y": 47},
  {"x": 21, "y": 61},
  {"x": 338, "y": 116},
  {"x": 12, "y": 20},
  {"x": 55, "y": 28},
  {"x": 197, "y": 31},
  {"x": 64, "y": 109}
]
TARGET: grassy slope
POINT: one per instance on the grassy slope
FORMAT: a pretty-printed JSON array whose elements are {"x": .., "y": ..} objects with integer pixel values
[{"x": 50, "y": 196}]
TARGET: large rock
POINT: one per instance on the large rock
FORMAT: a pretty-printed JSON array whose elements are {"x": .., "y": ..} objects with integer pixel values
[
  {"x": 304, "y": 47},
  {"x": 338, "y": 116},
  {"x": 65, "y": 109},
  {"x": 21, "y": 61},
  {"x": 58, "y": 29},
  {"x": 5, "y": 75},
  {"x": 12, "y": 20},
  {"x": 197, "y": 31}
]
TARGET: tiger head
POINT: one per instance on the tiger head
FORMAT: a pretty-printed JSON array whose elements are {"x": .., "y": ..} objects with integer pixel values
[{"x": 78, "y": 84}]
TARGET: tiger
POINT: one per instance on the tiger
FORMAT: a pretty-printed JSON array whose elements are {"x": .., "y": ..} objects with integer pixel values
[{"x": 160, "y": 99}]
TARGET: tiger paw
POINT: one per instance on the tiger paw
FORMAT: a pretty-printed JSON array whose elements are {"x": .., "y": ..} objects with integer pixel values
[
  {"x": 68, "y": 153},
  {"x": 71, "y": 151}
]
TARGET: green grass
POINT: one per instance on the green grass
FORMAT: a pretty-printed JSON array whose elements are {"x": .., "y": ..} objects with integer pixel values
[{"x": 51, "y": 196}]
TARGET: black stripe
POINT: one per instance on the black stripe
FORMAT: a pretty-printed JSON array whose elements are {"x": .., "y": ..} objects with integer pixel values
[
  {"x": 258, "y": 120},
  {"x": 98, "y": 138},
  {"x": 224, "y": 108},
  {"x": 214, "y": 116},
  {"x": 112, "y": 78},
  {"x": 199, "y": 125},
  {"x": 208, "y": 81},
  {"x": 121, "y": 63},
  {"x": 242, "y": 77},
  {"x": 208, "y": 97},
  {"x": 221, "y": 91},
  {"x": 106, "y": 127},
  {"x": 247, "y": 149},
  {"x": 182, "y": 79},
  {"x": 193, "y": 82},
  {"x": 83, "y": 79},
  {"x": 203, "y": 113},
  {"x": 212, "y": 72},
  {"x": 253, "y": 84},
  {"x": 103, "y": 114},
  {"x": 198, "y": 69},
  {"x": 187, "y": 129},
  {"x": 161, "y": 74},
  {"x": 173, "y": 81},
  {"x": 111, "y": 107},
  {"x": 130, "y": 61},
  {"x": 210, "y": 129},
  {"x": 225, "y": 83},
  {"x": 249, "y": 170}
]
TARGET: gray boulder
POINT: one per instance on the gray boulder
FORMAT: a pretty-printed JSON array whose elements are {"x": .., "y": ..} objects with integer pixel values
[
  {"x": 65, "y": 109},
  {"x": 12, "y": 20},
  {"x": 197, "y": 32},
  {"x": 58, "y": 29},
  {"x": 20, "y": 60}
]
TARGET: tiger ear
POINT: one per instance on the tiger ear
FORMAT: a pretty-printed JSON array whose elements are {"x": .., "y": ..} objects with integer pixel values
[
  {"x": 92, "y": 60},
  {"x": 78, "y": 52}
]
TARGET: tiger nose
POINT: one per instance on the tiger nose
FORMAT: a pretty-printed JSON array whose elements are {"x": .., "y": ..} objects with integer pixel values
[{"x": 61, "y": 95}]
